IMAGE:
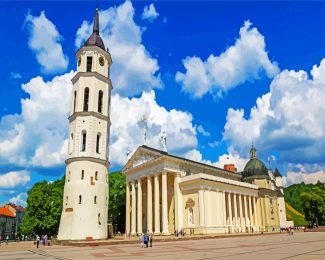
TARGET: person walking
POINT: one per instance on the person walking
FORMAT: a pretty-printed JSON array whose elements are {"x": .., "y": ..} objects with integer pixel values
[
  {"x": 7, "y": 239},
  {"x": 37, "y": 240},
  {"x": 141, "y": 240},
  {"x": 151, "y": 238},
  {"x": 145, "y": 240}
]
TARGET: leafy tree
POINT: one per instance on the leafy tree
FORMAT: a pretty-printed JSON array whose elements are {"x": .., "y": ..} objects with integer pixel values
[
  {"x": 314, "y": 205},
  {"x": 116, "y": 208},
  {"x": 44, "y": 206}
]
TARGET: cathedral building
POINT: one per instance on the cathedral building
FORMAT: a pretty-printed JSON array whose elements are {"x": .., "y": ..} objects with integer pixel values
[
  {"x": 165, "y": 193},
  {"x": 85, "y": 199}
]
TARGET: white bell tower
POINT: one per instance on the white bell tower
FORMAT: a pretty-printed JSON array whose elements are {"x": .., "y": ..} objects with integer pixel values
[{"x": 85, "y": 199}]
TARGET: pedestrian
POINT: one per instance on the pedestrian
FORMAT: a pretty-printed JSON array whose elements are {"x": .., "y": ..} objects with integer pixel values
[
  {"x": 37, "y": 240},
  {"x": 7, "y": 239},
  {"x": 141, "y": 240},
  {"x": 145, "y": 240},
  {"x": 151, "y": 238}
]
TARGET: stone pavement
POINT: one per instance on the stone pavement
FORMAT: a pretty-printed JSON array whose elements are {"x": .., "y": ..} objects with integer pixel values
[{"x": 279, "y": 246}]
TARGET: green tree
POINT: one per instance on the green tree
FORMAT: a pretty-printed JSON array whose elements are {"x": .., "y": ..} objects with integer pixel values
[
  {"x": 116, "y": 208},
  {"x": 313, "y": 203},
  {"x": 44, "y": 206}
]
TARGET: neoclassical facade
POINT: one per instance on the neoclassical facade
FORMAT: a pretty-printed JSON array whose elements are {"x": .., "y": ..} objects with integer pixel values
[{"x": 165, "y": 193}]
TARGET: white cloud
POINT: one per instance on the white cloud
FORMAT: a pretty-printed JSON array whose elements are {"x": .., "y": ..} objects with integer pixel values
[
  {"x": 306, "y": 177},
  {"x": 246, "y": 60},
  {"x": 20, "y": 199},
  {"x": 127, "y": 133},
  {"x": 37, "y": 136},
  {"x": 149, "y": 13},
  {"x": 202, "y": 131},
  {"x": 44, "y": 40},
  {"x": 230, "y": 158},
  {"x": 213, "y": 144},
  {"x": 15, "y": 75},
  {"x": 14, "y": 179},
  {"x": 133, "y": 70},
  {"x": 288, "y": 120}
]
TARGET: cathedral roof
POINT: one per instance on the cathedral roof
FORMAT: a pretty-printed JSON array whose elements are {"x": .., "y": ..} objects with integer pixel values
[
  {"x": 95, "y": 39},
  {"x": 255, "y": 169}
]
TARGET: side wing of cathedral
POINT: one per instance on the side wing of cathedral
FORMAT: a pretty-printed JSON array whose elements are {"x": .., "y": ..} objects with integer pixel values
[{"x": 165, "y": 193}]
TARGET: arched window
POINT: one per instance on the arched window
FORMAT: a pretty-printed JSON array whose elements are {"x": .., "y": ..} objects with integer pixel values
[
  {"x": 69, "y": 176},
  {"x": 71, "y": 144},
  {"x": 84, "y": 138},
  {"x": 80, "y": 199},
  {"x": 86, "y": 99},
  {"x": 99, "y": 223},
  {"x": 74, "y": 101},
  {"x": 97, "y": 143},
  {"x": 82, "y": 174},
  {"x": 96, "y": 176},
  {"x": 100, "y": 101},
  {"x": 95, "y": 200},
  {"x": 89, "y": 63}
]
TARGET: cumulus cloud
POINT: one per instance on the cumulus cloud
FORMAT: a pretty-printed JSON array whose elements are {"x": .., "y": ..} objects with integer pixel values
[
  {"x": 20, "y": 199},
  {"x": 246, "y": 60},
  {"x": 127, "y": 132},
  {"x": 44, "y": 40},
  {"x": 37, "y": 136},
  {"x": 134, "y": 69},
  {"x": 202, "y": 131},
  {"x": 298, "y": 177},
  {"x": 230, "y": 158},
  {"x": 288, "y": 119},
  {"x": 13, "y": 179},
  {"x": 149, "y": 13}
]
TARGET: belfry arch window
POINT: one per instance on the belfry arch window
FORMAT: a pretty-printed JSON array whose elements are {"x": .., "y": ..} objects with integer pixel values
[
  {"x": 95, "y": 200},
  {"x": 97, "y": 142},
  {"x": 84, "y": 140},
  {"x": 86, "y": 99},
  {"x": 100, "y": 101},
  {"x": 80, "y": 199},
  {"x": 74, "y": 101},
  {"x": 89, "y": 63},
  {"x": 82, "y": 174}
]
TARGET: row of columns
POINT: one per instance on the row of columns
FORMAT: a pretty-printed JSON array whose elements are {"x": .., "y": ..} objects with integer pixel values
[
  {"x": 240, "y": 214},
  {"x": 135, "y": 223}
]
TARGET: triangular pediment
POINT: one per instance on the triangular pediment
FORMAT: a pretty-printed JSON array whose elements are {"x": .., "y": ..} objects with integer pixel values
[{"x": 142, "y": 154}]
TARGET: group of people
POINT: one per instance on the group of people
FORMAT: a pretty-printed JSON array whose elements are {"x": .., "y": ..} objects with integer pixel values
[
  {"x": 179, "y": 232},
  {"x": 146, "y": 240},
  {"x": 41, "y": 239}
]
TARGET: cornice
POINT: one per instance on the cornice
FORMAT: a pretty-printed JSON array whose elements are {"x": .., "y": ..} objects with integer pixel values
[
  {"x": 89, "y": 113},
  {"x": 92, "y": 159}
]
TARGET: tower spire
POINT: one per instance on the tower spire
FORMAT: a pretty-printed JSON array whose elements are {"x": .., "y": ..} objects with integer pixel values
[{"x": 96, "y": 22}]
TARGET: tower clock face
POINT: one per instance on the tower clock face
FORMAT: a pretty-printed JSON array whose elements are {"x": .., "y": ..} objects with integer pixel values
[
  {"x": 79, "y": 62},
  {"x": 101, "y": 61}
]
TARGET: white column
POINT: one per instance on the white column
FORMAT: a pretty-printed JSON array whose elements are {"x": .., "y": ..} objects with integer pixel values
[
  {"x": 246, "y": 214},
  {"x": 178, "y": 203},
  {"x": 240, "y": 211},
  {"x": 218, "y": 210},
  {"x": 127, "y": 208},
  {"x": 134, "y": 210},
  {"x": 255, "y": 213},
  {"x": 229, "y": 209},
  {"x": 149, "y": 204},
  {"x": 207, "y": 212},
  {"x": 235, "y": 208},
  {"x": 224, "y": 208},
  {"x": 139, "y": 209},
  {"x": 157, "y": 205},
  {"x": 250, "y": 212},
  {"x": 164, "y": 203},
  {"x": 201, "y": 206}
]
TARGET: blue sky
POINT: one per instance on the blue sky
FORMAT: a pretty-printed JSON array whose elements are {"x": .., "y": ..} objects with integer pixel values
[{"x": 216, "y": 76}]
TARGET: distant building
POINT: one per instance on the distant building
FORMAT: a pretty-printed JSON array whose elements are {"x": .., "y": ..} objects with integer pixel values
[
  {"x": 10, "y": 218},
  {"x": 165, "y": 193}
]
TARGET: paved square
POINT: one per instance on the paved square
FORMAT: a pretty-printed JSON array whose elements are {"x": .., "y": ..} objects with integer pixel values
[{"x": 280, "y": 246}]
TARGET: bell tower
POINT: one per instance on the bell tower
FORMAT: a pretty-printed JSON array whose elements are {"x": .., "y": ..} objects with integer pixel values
[{"x": 85, "y": 199}]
